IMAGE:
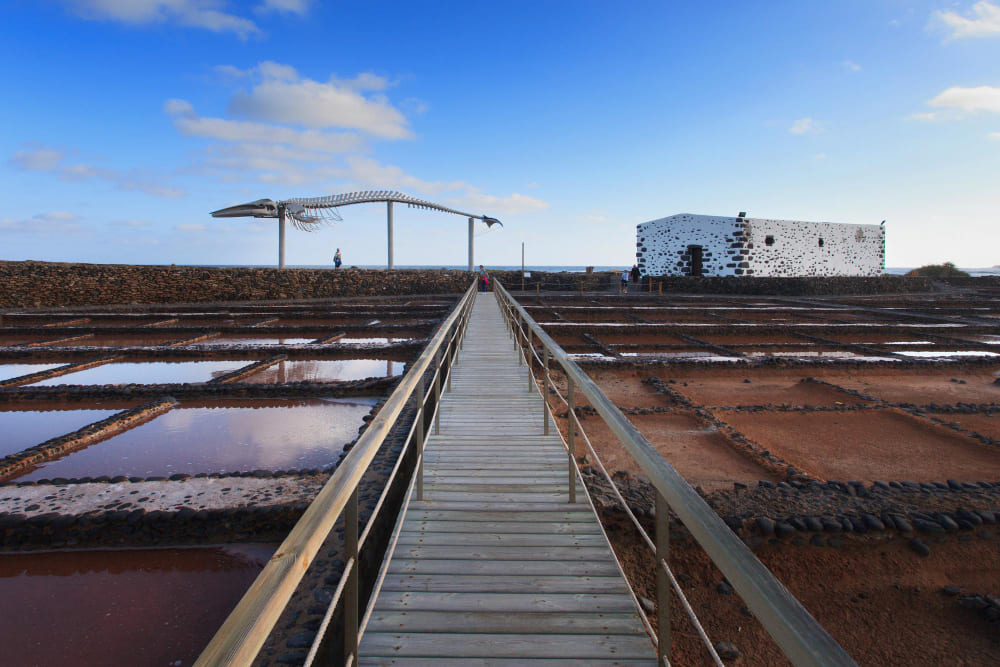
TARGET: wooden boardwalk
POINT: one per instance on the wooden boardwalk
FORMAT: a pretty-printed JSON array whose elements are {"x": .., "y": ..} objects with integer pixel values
[{"x": 494, "y": 566}]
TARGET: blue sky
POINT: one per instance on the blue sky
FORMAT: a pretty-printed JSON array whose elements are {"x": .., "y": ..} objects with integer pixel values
[{"x": 127, "y": 121}]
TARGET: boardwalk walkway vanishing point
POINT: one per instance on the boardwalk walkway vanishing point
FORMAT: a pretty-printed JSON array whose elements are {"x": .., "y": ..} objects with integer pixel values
[{"x": 495, "y": 565}]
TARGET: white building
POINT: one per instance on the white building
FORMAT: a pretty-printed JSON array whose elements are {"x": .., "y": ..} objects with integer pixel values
[{"x": 706, "y": 245}]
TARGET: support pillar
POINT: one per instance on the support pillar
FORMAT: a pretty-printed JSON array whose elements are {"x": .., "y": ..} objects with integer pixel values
[
  {"x": 389, "y": 226},
  {"x": 472, "y": 229},
  {"x": 281, "y": 237}
]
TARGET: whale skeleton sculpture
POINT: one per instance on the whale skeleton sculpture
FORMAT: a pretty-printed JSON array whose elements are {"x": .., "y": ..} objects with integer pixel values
[{"x": 311, "y": 213}]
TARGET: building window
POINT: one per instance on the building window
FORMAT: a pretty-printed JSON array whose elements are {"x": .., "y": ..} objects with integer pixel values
[
  {"x": 821, "y": 242},
  {"x": 768, "y": 240}
]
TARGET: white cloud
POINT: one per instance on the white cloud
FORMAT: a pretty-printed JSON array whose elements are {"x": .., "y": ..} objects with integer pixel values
[
  {"x": 491, "y": 205},
  {"x": 190, "y": 124},
  {"x": 282, "y": 96},
  {"x": 46, "y": 159},
  {"x": 925, "y": 116},
  {"x": 132, "y": 223},
  {"x": 971, "y": 100},
  {"x": 820, "y": 156},
  {"x": 802, "y": 126},
  {"x": 53, "y": 222},
  {"x": 994, "y": 135},
  {"x": 204, "y": 14},
  {"x": 983, "y": 22},
  {"x": 300, "y": 7},
  {"x": 851, "y": 66},
  {"x": 367, "y": 171}
]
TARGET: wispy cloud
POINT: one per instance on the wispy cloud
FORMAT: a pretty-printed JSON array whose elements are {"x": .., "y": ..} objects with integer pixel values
[
  {"x": 803, "y": 126},
  {"x": 983, "y": 21},
  {"x": 923, "y": 116},
  {"x": 205, "y": 14},
  {"x": 300, "y": 7},
  {"x": 969, "y": 100},
  {"x": 280, "y": 95},
  {"x": 994, "y": 135},
  {"x": 851, "y": 66},
  {"x": 53, "y": 222},
  {"x": 46, "y": 159}
]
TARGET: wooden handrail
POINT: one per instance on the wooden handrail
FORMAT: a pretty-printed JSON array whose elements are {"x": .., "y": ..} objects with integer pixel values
[{"x": 241, "y": 636}]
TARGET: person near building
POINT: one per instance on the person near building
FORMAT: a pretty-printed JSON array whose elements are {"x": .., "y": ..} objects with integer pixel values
[
  {"x": 624, "y": 281},
  {"x": 635, "y": 274},
  {"x": 337, "y": 261}
]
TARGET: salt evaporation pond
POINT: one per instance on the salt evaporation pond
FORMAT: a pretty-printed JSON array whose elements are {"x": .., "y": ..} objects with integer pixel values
[
  {"x": 123, "y": 607},
  {"x": 376, "y": 340},
  {"x": 234, "y": 436},
  {"x": 8, "y": 371},
  {"x": 326, "y": 371},
  {"x": 121, "y": 340},
  {"x": 150, "y": 372},
  {"x": 26, "y": 428}
]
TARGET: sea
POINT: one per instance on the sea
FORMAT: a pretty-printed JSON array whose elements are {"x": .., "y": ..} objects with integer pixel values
[{"x": 895, "y": 271}]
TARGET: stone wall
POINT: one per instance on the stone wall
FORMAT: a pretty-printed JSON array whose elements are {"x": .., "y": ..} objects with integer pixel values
[{"x": 44, "y": 284}]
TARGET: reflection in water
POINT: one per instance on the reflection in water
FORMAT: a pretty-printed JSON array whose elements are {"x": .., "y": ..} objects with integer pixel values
[
  {"x": 250, "y": 340},
  {"x": 22, "y": 429},
  {"x": 375, "y": 340},
  {"x": 130, "y": 607},
  {"x": 326, "y": 370},
  {"x": 8, "y": 371},
  {"x": 288, "y": 434},
  {"x": 150, "y": 372}
]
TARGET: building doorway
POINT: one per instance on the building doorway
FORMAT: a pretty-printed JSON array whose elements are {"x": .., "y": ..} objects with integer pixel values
[{"x": 695, "y": 252}]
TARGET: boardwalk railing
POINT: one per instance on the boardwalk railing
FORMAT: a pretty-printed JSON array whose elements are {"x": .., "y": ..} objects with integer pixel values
[
  {"x": 240, "y": 638},
  {"x": 802, "y": 639}
]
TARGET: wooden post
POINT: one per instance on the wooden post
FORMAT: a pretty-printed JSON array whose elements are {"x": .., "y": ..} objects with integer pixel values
[
  {"x": 581, "y": 288},
  {"x": 659, "y": 286},
  {"x": 651, "y": 284},
  {"x": 528, "y": 355},
  {"x": 545, "y": 388},
  {"x": 437, "y": 403},
  {"x": 662, "y": 519},
  {"x": 538, "y": 288},
  {"x": 420, "y": 437},
  {"x": 352, "y": 586},
  {"x": 571, "y": 441}
]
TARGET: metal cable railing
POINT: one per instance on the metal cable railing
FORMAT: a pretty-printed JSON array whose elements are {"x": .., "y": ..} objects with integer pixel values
[
  {"x": 802, "y": 639},
  {"x": 241, "y": 636}
]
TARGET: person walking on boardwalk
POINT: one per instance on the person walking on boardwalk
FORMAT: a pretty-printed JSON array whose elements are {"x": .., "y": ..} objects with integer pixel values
[
  {"x": 635, "y": 274},
  {"x": 624, "y": 281},
  {"x": 484, "y": 279},
  {"x": 337, "y": 261}
]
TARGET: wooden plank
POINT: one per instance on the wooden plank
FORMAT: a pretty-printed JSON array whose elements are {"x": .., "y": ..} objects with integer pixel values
[
  {"x": 497, "y": 506},
  {"x": 500, "y": 539},
  {"x": 465, "y": 496},
  {"x": 386, "y": 661},
  {"x": 510, "y": 603},
  {"x": 499, "y": 527},
  {"x": 515, "y": 583},
  {"x": 601, "y": 568},
  {"x": 577, "y": 516},
  {"x": 503, "y": 553},
  {"x": 476, "y": 645},
  {"x": 524, "y": 623}
]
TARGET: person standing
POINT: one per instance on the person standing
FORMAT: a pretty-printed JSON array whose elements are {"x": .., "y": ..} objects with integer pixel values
[
  {"x": 484, "y": 279},
  {"x": 635, "y": 274},
  {"x": 624, "y": 281},
  {"x": 337, "y": 261}
]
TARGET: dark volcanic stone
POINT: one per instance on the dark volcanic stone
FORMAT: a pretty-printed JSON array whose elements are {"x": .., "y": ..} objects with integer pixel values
[
  {"x": 817, "y": 541},
  {"x": 765, "y": 526},
  {"x": 831, "y": 525},
  {"x": 727, "y": 650},
  {"x": 723, "y": 588},
  {"x": 917, "y": 545},
  {"x": 945, "y": 520},
  {"x": 301, "y": 640},
  {"x": 814, "y": 524},
  {"x": 873, "y": 522},
  {"x": 951, "y": 590},
  {"x": 782, "y": 529}
]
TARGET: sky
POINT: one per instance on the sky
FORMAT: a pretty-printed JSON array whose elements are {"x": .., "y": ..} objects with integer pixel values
[{"x": 125, "y": 122}]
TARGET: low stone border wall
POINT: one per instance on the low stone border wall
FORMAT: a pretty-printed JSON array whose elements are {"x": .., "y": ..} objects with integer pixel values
[
  {"x": 50, "y": 449},
  {"x": 42, "y": 284},
  {"x": 241, "y": 373},
  {"x": 367, "y": 387},
  {"x": 56, "y": 372}
]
